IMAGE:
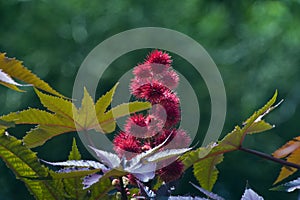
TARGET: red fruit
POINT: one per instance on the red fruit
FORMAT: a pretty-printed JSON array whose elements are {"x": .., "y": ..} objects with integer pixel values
[
  {"x": 126, "y": 145},
  {"x": 171, "y": 172},
  {"x": 159, "y": 57}
]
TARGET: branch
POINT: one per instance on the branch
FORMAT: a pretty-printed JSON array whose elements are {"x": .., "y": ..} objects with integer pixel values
[{"x": 269, "y": 157}]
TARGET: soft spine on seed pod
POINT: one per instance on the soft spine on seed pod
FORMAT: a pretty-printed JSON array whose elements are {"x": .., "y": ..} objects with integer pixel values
[{"x": 154, "y": 81}]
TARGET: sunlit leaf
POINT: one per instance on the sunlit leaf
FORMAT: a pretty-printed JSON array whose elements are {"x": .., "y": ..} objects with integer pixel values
[
  {"x": 258, "y": 115},
  {"x": 291, "y": 150},
  {"x": 65, "y": 117},
  {"x": 191, "y": 157},
  {"x": 6, "y": 124},
  {"x": 24, "y": 163},
  {"x": 78, "y": 163},
  {"x": 73, "y": 186},
  {"x": 7, "y": 79},
  {"x": 107, "y": 158},
  {"x": 73, "y": 172},
  {"x": 74, "y": 153},
  {"x": 205, "y": 169},
  {"x": 287, "y": 171},
  {"x": 169, "y": 153},
  {"x": 104, "y": 101},
  {"x": 259, "y": 126},
  {"x": 107, "y": 120},
  {"x": 288, "y": 148},
  {"x": 15, "y": 69}
]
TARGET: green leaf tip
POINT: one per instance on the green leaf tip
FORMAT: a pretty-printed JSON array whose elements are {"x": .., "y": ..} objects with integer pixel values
[
  {"x": 14, "y": 68},
  {"x": 74, "y": 153}
]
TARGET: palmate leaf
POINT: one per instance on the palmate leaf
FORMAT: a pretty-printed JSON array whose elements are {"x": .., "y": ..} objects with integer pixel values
[
  {"x": 65, "y": 117},
  {"x": 290, "y": 151},
  {"x": 142, "y": 166},
  {"x": 205, "y": 169},
  {"x": 14, "y": 68},
  {"x": 107, "y": 158},
  {"x": 24, "y": 163},
  {"x": 73, "y": 176}
]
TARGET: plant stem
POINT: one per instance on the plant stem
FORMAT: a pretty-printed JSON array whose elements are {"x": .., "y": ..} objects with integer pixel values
[
  {"x": 123, "y": 192},
  {"x": 269, "y": 157}
]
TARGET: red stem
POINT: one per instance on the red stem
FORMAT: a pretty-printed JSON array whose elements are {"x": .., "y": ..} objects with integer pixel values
[{"x": 269, "y": 157}]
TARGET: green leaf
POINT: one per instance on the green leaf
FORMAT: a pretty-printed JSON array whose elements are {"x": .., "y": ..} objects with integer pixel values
[
  {"x": 206, "y": 172},
  {"x": 10, "y": 86},
  {"x": 5, "y": 78},
  {"x": 104, "y": 101},
  {"x": 86, "y": 116},
  {"x": 204, "y": 168},
  {"x": 77, "y": 174},
  {"x": 14, "y": 68},
  {"x": 62, "y": 107},
  {"x": 65, "y": 117},
  {"x": 99, "y": 190},
  {"x": 231, "y": 141},
  {"x": 259, "y": 126},
  {"x": 258, "y": 115},
  {"x": 74, "y": 153},
  {"x": 191, "y": 157},
  {"x": 73, "y": 186},
  {"x": 24, "y": 163},
  {"x": 35, "y": 116},
  {"x": 39, "y": 135},
  {"x": 6, "y": 124},
  {"x": 107, "y": 121},
  {"x": 288, "y": 187}
]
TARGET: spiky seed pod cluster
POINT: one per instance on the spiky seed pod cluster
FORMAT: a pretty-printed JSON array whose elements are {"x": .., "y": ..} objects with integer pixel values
[{"x": 154, "y": 81}]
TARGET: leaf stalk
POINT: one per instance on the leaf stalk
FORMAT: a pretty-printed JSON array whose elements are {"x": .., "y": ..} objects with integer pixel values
[{"x": 269, "y": 157}]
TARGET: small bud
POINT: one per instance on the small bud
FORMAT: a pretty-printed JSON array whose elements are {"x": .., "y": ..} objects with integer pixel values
[
  {"x": 125, "y": 180},
  {"x": 115, "y": 182}
]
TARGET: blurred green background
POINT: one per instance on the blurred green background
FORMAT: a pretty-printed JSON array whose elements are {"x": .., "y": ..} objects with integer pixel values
[{"x": 255, "y": 44}]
